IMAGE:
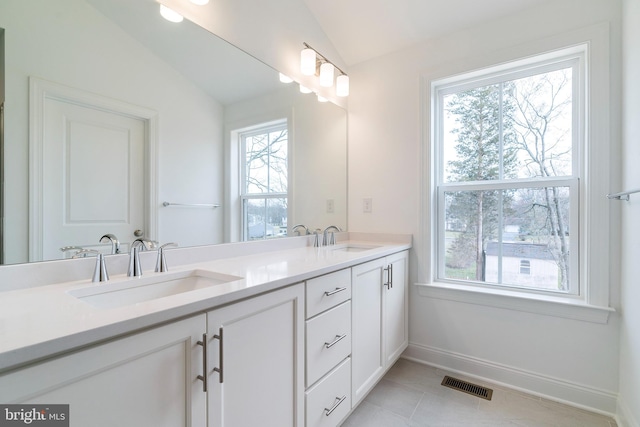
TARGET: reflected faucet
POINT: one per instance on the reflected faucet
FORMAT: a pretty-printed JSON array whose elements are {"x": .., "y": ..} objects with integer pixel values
[
  {"x": 115, "y": 244},
  {"x": 145, "y": 244},
  {"x": 325, "y": 242},
  {"x": 295, "y": 231},
  {"x": 100, "y": 272}
]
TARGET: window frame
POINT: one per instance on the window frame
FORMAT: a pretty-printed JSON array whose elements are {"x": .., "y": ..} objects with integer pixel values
[
  {"x": 574, "y": 60},
  {"x": 243, "y": 196},
  {"x": 599, "y": 261}
]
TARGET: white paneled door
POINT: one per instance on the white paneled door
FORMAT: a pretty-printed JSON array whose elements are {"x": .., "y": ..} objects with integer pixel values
[{"x": 93, "y": 176}]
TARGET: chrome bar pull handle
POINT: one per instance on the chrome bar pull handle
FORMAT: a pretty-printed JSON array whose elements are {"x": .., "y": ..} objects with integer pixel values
[
  {"x": 387, "y": 283},
  {"x": 329, "y": 293},
  {"x": 335, "y": 341},
  {"x": 204, "y": 375},
  {"x": 339, "y": 400},
  {"x": 391, "y": 275},
  {"x": 219, "y": 370}
]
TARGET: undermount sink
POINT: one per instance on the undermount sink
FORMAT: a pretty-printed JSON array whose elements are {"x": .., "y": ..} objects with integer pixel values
[
  {"x": 137, "y": 290},
  {"x": 355, "y": 248}
]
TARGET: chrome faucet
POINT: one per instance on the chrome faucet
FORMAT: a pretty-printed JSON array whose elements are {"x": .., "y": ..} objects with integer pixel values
[
  {"x": 134, "y": 259},
  {"x": 325, "y": 241},
  {"x": 146, "y": 244},
  {"x": 115, "y": 244},
  {"x": 100, "y": 271},
  {"x": 161, "y": 263},
  {"x": 295, "y": 231}
]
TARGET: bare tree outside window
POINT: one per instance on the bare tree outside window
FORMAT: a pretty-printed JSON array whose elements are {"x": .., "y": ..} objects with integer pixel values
[{"x": 503, "y": 145}]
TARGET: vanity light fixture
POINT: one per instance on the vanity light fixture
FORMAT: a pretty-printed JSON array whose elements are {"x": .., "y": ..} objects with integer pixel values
[
  {"x": 312, "y": 62},
  {"x": 326, "y": 74},
  {"x": 342, "y": 85},
  {"x": 170, "y": 14}
]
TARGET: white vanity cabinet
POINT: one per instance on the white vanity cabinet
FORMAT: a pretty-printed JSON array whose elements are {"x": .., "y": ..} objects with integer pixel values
[
  {"x": 328, "y": 349},
  {"x": 255, "y": 361},
  {"x": 144, "y": 379},
  {"x": 379, "y": 319}
]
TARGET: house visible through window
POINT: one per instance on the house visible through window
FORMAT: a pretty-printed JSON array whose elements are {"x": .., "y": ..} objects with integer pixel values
[
  {"x": 508, "y": 174},
  {"x": 264, "y": 197}
]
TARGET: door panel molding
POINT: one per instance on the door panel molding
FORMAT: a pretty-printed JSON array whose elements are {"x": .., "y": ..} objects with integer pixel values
[{"x": 41, "y": 90}]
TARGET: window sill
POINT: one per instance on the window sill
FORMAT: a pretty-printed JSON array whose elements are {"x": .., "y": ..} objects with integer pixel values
[{"x": 519, "y": 301}]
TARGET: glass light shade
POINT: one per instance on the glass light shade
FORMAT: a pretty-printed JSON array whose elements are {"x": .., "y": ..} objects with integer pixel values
[
  {"x": 326, "y": 74},
  {"x": 285, "y": 79},
  {"x": 170, "y": 14},
  {"x": 200, "y": 2},
  {"x": 304, "y": 89},
  {"x": 322, "y": 99},
  {"x": 308, "y": 62},
  {"x": 342, "y": 85}
]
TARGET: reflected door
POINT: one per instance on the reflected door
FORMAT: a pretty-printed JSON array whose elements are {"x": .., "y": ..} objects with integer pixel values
[{"x": 93, "y": 176}]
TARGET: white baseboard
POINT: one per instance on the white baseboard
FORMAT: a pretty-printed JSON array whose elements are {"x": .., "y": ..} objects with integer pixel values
[
  {"x": 624, "y": 417},
  {"x": 559, "y": 390}
]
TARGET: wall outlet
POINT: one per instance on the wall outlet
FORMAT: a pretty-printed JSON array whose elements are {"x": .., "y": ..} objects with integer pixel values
[
  {"x": 367, "y": 205},
  {"x": 330, "y": 205}
]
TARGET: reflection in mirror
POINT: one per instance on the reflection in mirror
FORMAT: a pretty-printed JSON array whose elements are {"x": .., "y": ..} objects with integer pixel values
[{"x": 111, "y": 110}]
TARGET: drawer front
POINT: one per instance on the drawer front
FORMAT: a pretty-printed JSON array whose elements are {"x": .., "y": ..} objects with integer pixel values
[
  {"x": 327, "y": 291},
  {"x": 328, "y": 341},
  {"x": 325, "y": 406}
]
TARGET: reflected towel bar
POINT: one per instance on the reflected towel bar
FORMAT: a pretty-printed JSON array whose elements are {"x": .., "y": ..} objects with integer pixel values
[
  {"x": 623, "y": 195},
  {"x": 193, "y": 205}
]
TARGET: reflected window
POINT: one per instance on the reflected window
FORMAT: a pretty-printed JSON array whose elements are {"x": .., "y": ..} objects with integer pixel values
[{"x": 264, "y": 192}]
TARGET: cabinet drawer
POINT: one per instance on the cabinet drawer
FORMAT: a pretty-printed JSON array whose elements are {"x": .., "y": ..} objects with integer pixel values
[
  {"x": 327, "y": 291},
  {"x": 328, "y": 341},
  {"x": 325, "y": 406}
]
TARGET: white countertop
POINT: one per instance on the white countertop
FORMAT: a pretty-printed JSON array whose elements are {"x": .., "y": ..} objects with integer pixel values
[{"x": 42, "y": 321}]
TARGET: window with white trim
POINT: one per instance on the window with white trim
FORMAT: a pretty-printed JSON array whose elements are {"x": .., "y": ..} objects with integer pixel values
[
  {"x": 263, "y": 187},
  {"x": 508, "y": 166}
]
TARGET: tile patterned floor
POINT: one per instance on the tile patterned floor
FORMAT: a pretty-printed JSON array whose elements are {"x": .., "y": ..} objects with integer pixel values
[{"x": 410, "y": 394}]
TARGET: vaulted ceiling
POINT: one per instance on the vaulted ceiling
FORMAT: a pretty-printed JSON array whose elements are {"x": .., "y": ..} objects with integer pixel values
[{"x": 364, "y": 29}]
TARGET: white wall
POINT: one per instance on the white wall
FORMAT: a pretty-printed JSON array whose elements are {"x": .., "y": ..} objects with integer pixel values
[
  {"x": 564, "y": 359},
  {"x": 42, "y": 40},
  {"x": 629, "y": 400}
]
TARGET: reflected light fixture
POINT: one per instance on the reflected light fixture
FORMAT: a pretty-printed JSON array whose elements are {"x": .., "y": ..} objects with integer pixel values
[
  {"x": 200, "y": 2},
  {"x": 322, "y": 99},
  {"x": 285, "y": 78},
  {"x": 170, "y": 14},
  {"x": 313, "y": 63},
  {"x": 304, "y": 89}
]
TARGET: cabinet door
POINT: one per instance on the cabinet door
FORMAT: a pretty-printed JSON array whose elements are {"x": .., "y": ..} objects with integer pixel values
[
  {"x": 368, "y": 361},
  {"x": 145, "y": 379},
  {"x": 396, "y": 331},
  {"x": 261, "y": 356}
]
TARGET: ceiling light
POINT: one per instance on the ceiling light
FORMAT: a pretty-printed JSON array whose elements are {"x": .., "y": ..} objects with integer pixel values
[
  {"x": 308, "y": 62},
  {"x": 304, "y": 89},
  {"x": 200, "y": 2},
  {"x": 285, "y": 79},
  {"x": 326, "y": 74},
  {"x": 342, "y": 85},
  {"x": 170, "y": 14}
]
